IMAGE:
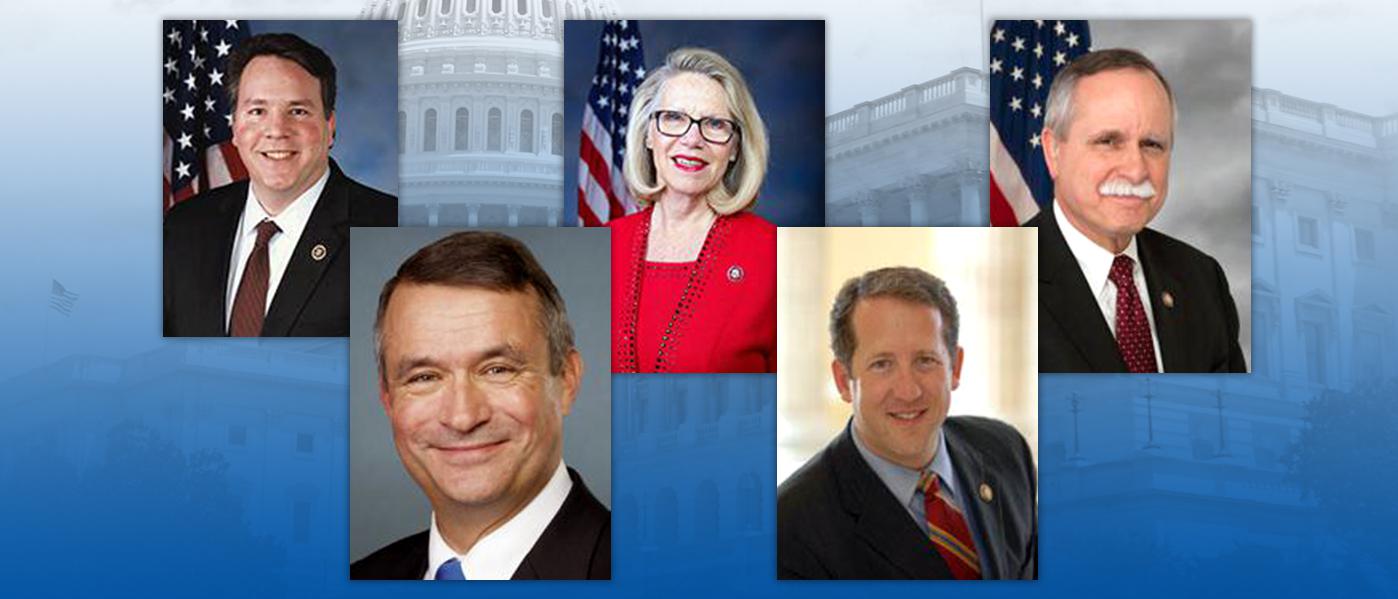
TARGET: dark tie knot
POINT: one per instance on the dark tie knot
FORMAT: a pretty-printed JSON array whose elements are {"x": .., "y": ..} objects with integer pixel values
[
  {"x": 265, "y": 230},
  {"x": 1123, "y": 267}
]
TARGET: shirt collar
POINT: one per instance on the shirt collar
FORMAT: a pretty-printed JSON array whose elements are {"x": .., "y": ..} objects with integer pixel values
[
  {"x": 1094, "y": 260},
  {"x": 902, "y": 481},
  {"x": 498, "y": 554},
  {"x": 292, "y": 221}
]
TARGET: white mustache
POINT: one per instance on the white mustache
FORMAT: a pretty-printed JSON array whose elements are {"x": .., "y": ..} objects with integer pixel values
[{"x": 1120, "y": 187}]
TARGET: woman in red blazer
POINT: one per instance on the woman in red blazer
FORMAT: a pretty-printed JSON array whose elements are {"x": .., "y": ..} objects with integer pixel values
[{"x": 694, "y": 273}]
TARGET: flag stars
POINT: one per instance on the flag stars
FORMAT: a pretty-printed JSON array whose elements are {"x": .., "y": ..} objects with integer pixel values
[
  {"x": 171, "y": 66},
  {"x": 1059, "y": 28},
  {"x": 203, "y": 35},
  {"x": 215, "y": 78},
  {"x": 1038, "y": 50},
  {"x": 1036, "y": 110},
  {"x": 188, "y": 112},
  {"x": 1072, "y": 40},
  {"x": 186, "y": 140},
  {"x": 168, "y": 96},
  {"x": 208, "y": 104},
  {"x": 1038, "y": 81},
  {"x": 1016, "y": 104},
  {"x": 1060, "y": 59},
  {"x": 228, "y": 118},
  {"x": 640, "y": 73},
  {"x": 198, "y": 61},
  {"x": 176, "y": 38},
  {"x": 191, "y": 82},
  {"x": 230, "y": 23},
  {"x": 997, "y": 65},
  {"x": 1035, "y": 141},
  {"x": 1018, "y": 44},
  {"x": 1017, "y": 74},
  {"x": 182, "y": 170},
  {"x": 998, "y": 35},
  {"x": 222, "y": 48}
]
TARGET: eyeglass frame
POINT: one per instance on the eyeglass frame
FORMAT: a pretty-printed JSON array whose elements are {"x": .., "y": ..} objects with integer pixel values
[{"x": 737, "y": 128}]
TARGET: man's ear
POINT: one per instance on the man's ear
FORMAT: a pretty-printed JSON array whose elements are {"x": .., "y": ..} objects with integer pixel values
[
  {"x": 1050, "y": 144},
  {"x": 331, "y": 124},
  {"x": 572, "y": 376},
  {"x": 843, "y": 381},
  {"x": 956, "y": 367}
]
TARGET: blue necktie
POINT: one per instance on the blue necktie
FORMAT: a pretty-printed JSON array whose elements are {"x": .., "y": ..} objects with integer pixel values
[{"x": 450, "y": 570}]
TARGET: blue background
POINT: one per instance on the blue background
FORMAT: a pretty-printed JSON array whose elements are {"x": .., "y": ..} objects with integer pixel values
[
  {"x": 783, "y": 63},
  {"x": 132, "y": 465}
]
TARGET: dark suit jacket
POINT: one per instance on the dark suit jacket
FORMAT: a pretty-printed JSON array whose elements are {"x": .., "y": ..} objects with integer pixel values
[
  {"x": 313, "y": 297},
  {"x": 576, "y": 545},
  {"x": 1198, "y": 334},
  {"x": 836, "y": 519}
]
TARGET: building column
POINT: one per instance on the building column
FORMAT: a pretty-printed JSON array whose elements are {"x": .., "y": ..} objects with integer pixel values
[
  {"x": 472, "y": 210},
  {"x": 868, "y": 210},
  {"x": 433, "y": 214},
  {"x": 973, "y": 207},
  {"x": 514, "y": 215},
  {"x": 554, "y": 213}
]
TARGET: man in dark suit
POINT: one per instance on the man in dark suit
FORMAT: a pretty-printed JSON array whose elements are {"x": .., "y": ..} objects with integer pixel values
[
  {"x": 905, "y": 491},
  {"x": 1115, "y": 296},
  {"x": 269, "y": 256},
  {"x": 477, "y": 368}
]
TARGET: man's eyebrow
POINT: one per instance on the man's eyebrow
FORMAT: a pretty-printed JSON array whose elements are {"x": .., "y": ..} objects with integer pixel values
[{"x": 503, "y": 350}]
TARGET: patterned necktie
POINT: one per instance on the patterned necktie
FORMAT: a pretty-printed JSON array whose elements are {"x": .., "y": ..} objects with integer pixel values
[
  {"x": 947, "y": 528},
  {"x": 250, "y": 305},
  {"x": 1132, "y": 329},
  {"x": 450, "y": 570}
]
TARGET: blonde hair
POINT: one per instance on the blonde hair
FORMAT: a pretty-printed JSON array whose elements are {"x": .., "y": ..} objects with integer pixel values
[{"x": 741, "y": 182}]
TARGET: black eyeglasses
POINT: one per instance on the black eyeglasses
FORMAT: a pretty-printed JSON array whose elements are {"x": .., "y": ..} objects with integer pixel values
[{"x": 673, "y": 123}]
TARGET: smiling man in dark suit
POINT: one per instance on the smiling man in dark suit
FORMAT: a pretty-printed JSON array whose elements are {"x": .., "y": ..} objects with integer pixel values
[
  {"x": 477, "y": 368},
  {"x": 905, "y": 491},
  {"x": 269, "y": 256},
  {"x": 1115, "y": 296}
]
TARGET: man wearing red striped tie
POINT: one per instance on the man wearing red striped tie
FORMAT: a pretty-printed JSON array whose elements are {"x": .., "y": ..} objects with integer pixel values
[{"x": 905, "y": 491}]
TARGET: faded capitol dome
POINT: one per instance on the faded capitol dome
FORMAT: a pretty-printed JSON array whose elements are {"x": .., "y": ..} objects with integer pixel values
[{"x": 480, "y": 108}]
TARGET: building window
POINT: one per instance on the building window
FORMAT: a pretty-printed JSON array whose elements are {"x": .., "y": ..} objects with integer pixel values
[
  {"x": 402, "y": 131},
  {"x": 749, "y": 503},
  {"x": 422, "y": 8},
  {"x": 497, "y": 6},
  {"x": 1364, "y": 245},
  {"x": 429, "y": 130},
  {"x": 301, "y": 521},
  {"x": 1308, "y": 233},
  {"x": 402, "y": 9},
  {"x": 706, "y": 510},
  {"x": 522, "y": 7},
  {"x": 526, "y": 131},
  {"x": 667, "y": 518},
  {"x": 238, "y": 435},
  {"x": 446, "y": 7},
  {"x": 305, "y": 443},
  {"x": 557, "y": 134},
  {"x": 492, "y": 133},
  {"x": 463, "y": 130},
  {"x": 547, "y": 9}
]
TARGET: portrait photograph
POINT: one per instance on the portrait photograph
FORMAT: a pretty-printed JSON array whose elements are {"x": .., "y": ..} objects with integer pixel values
[
  {"x": 907, "y": 404},
  {"x": 480, "y": 405},
  {"x": 697, "y": 139},
  {"x": 278, "y": 136},
  {"x": 1128, "y": 143}
]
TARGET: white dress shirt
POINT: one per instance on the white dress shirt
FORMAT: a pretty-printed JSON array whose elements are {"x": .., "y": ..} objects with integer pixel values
[
  {"x": 292, "y": 221},
  {"x": 1096, "y": 264},
  {"x": 499, "y": 553}
]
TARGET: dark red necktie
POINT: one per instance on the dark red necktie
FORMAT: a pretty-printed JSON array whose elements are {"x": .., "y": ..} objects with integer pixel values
[
  {"x": 946, "y": 526},
  {"x": 250, "y": 305},
  {"x": 1132, "y": 329}
]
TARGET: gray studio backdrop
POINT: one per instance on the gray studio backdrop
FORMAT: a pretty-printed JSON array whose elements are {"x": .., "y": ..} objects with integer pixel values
[
  {"x": 1209, "y": 66},
  {"x": 385, "y": 504}
]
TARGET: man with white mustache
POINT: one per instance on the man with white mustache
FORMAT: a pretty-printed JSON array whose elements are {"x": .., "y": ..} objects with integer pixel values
[{"x": 1160, "y": 304}]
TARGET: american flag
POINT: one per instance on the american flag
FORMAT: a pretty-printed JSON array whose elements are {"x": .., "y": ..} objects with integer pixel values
[
  {"x": 198, "y": 132},
  {"x": 602, "y": 193},
  {"x": 1024, "y": 58},
  {"x": 61, "y": 300}
]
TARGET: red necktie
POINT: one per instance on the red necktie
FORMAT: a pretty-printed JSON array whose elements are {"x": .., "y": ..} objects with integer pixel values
[
  {"x": 947, "y": 528},
  {"x": 250, "y": 305},
  {"x": 1133, "y": 338}
]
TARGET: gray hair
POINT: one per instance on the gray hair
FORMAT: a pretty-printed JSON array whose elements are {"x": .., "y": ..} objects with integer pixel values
[{"x": 1059, "y": 113}]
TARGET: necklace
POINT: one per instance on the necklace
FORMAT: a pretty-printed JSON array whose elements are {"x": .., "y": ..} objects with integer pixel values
[{"x": 684, "y": 309}]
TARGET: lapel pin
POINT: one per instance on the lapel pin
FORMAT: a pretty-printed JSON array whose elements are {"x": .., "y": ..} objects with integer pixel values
[
  {"x": 987, "y": 494},
  {"x": 1167, "y": 299},
  {"x": 735, "y": 273},
  {"x": 318, "y": 252}
]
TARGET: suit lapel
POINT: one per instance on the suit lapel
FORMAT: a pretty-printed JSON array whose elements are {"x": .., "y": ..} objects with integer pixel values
[
  {"x": 880, "y": 520},
  {"x": 215, "y": 277},
  {"x": 1169, "y": 325},
  {"x": 1063, "y": 291},
  {"x": 971, "y": 474},
  {"x": 325, "y": 236},
  {"x": 568, "y": 546}
]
